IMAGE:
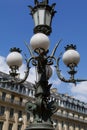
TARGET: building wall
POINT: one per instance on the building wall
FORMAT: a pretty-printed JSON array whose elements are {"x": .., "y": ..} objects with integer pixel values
[
  {"x": 71, "y": 114},
  {"x": 12, "y": 111}
]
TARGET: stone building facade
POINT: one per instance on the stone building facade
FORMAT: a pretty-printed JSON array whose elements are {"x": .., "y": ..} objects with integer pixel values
[{"x": 71, "y": 114}]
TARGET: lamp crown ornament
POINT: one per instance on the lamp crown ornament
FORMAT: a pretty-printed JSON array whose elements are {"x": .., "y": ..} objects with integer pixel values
[
  {"x": 70, "y": 46},
  {"x": 14, "y": 49}
]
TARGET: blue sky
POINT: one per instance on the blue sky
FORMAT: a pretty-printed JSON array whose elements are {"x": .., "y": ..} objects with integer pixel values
[{"x": 69, "y": 23}]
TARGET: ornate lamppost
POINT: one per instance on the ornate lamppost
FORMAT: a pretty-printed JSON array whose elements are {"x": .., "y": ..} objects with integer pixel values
[{"x": 42, "y": 108}]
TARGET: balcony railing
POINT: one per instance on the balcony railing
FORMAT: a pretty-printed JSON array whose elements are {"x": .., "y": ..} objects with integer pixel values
[
  {"x": 2, "y": 116},
  {"x": 14, "y": 101},
  {"x": 73, "y": 109},
  {"x": 71, "y": 117}
]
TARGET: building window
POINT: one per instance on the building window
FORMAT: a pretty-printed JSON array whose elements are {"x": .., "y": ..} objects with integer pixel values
[
  {"x": 3, "y": 96},
  {"x": 74, "y": 126},
  {"x": 19, "y": 114},
  {"x": 19, "y": 127},
  {"x": 28, "y": 91},
  {"x": 21, "y": 101},
  {"x": 11, "y": 112},
  {"x": 62, "y": 124},
  {"x": 2, "y": 110},
  {"x": 64, "y": 103},
  {"x": 24, "y": 90},
  {"x": 12, "y": 86},
  {"x": 33, "y": 94},
  {"x": 10, "y": 126},
  {"x": 21, "y": 89},
  {"x": 73, "y": 106},
  {"x": 28, "y": 116},
  {"x": 83, "y": 109},
  {"x": 1, "y": 125},
  {"x": 16, "y": 87},
  {"x": 12, "y": 98}
]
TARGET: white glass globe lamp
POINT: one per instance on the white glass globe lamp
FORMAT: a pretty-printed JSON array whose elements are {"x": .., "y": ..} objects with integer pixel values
[
  {"x": 14, "y": 58},
  {"x": 39, "y": 40},
  {"x": 20, "y": 119},
  {"x": 71, "y": 56}
]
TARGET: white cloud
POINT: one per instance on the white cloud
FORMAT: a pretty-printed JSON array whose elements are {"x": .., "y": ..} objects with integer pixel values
[
  {"x": 3, "y": 66},
  {"x": 80, "y": 91},
  {"x": 32, "y": 77},
  {"x": 54, "y": 79}
]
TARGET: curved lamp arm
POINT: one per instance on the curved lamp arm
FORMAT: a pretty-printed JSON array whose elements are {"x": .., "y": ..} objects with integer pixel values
[
  {"x": 26, "y": 74},
  {"x": 71, "y": 80},
  {"x": 14, "y": 80}
]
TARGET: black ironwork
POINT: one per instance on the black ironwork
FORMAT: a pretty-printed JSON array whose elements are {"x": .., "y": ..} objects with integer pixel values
[
  {"x": 42, "y": 108},
  {"x": 43, "y": 29},
  {"x": 71, "y": 66}
]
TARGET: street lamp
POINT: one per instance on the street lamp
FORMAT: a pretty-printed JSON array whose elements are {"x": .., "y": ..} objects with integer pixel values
[
  {"x": 42, "y": 108},
  {"x": 14, "y": 61},
  {"x": 71, "y": 58}
]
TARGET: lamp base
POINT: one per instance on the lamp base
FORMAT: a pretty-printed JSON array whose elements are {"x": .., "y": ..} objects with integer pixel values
[{"x": 40, "y": 126}]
